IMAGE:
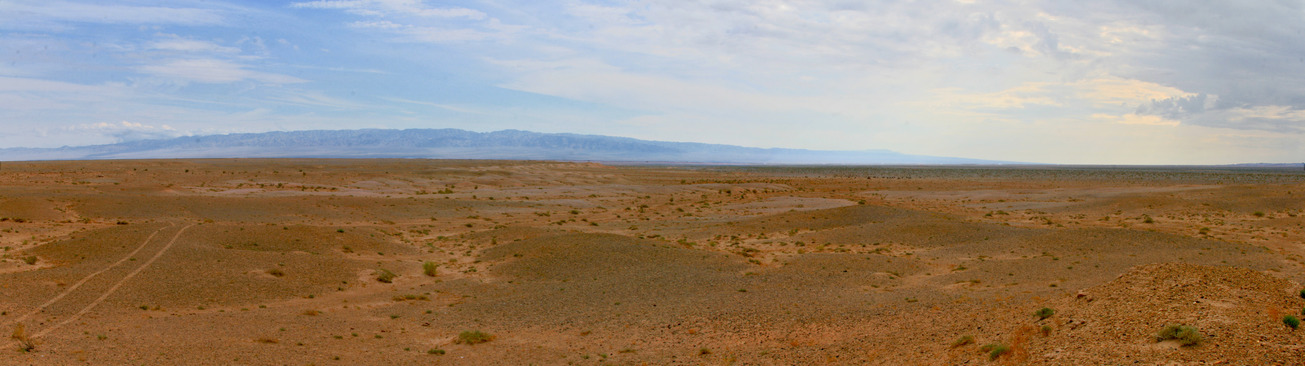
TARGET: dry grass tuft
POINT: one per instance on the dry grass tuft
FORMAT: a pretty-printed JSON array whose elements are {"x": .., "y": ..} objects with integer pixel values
[
  {"x": 1185, "y": 334},
  {"x": 25, "y": 344},
  {"x": 995, "y": 350},
  {"x": 473, "y": 337},
  {"x": 385, "y": 276}
]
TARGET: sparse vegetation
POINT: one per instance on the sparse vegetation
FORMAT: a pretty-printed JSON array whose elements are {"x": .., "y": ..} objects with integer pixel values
[
  {"x": 1185, "y": 334},
  {"x": 409, "y": 297},
  {"x": 385, "y": 276},
  {"x": 473, "y": 337},
  {"x": 1044, "y": 313},
  {"x": 924, "y": 236},
  {"x": 429, "y": 268},
  {"x": 25, "y": 344},
  {"x": 30, "y": 260},
  {"x": 995, "y": 350},
  {"x": 1291, "y": 321}
]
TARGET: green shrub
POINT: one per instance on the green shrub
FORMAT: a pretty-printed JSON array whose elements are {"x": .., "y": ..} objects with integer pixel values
[
  {"x": 30, "y": 260},
  {"x": 1185, "y": 334},
  {"x": 429, "y": 268},
  {"x": 435, "y": 351},
  {"x": 1291, "y": 321},
  {"x": 1044, "y": 313},
  {"x": 1302, "y": 293},
  {"x": 995, "y": 350},
  {"x": 474, "y": 337},
  {"x": 385, "y": 275},
  {"x": 964, "y": 340}
]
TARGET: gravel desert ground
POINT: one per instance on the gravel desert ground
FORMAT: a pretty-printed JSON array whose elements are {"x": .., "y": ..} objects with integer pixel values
[{"x": 349, "y": 262}]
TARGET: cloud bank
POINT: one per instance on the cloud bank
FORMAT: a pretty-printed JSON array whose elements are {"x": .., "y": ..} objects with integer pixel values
[{"x": 1102, "y": 82}]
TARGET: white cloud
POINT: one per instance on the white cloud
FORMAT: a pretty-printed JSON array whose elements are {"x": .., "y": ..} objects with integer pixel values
[
  {"x": 415, "y": 21},
  {"x": 190, "y": 45},
  {"x": 19, "y": 12},
  {"x": 377, "y": 24},
  {"x": 120, "y": 126},
  {"x": 213, "y": 71},
  {"x": 391, "y": 8},
  {"x": 10, "y": 84},
  {"x": 995, "y": 79},
  {"x": 1135, "y": 119},
  {"x": 440, "y": 105},
  {"x": 124, "y": 131}
]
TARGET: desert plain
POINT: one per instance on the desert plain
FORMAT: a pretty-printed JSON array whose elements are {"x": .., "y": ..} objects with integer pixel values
[{"x": 407, "y": 262}]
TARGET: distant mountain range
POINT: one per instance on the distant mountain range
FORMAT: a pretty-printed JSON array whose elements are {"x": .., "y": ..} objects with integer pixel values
[{"x": 462, "y": 144}]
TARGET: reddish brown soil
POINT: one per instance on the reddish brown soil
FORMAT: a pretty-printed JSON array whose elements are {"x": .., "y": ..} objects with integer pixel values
[{"x": 272, "y": 262}]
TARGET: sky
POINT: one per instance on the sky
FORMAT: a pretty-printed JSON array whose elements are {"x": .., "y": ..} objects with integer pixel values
[{"x": 1074, "y": 82}]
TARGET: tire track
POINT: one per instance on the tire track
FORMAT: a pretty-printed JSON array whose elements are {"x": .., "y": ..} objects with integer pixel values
[
  {"x": 79, "y": 283},
  {"x": 115, "y": 287}
]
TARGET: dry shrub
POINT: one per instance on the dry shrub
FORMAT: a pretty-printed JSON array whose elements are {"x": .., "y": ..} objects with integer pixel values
[
  {"x": 964, "y": 340},
  {"x": 25, "y": 344},
  {"x": 1019, "y": 342},
  {"x": 473, "y": 337},
  {"x": 385, "y": 276},
  {"x": 1185, "y": 334}
]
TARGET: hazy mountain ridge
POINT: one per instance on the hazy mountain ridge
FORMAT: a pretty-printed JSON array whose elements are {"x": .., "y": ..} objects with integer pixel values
[{"x": 462, "y": 144}]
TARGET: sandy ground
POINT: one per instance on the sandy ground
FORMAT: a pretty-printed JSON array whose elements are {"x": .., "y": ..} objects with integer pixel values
[{"x": 279, "y": 262}]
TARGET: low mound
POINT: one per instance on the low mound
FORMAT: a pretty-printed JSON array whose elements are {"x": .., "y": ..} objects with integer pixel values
[
  {"x": 604, "y": 257},
  {"x": 1239, "y": 313},
  {"x": 31, "y": 209}
]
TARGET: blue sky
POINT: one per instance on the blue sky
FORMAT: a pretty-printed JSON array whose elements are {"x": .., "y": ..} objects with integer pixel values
[{"x": 1108, "y": 82}]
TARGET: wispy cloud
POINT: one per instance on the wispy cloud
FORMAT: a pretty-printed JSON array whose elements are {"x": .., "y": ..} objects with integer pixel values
[
  {"x": 414, "y": 21},
  {"x": 126, "y": 131},
  {"x": 213, "y": 71},
  {"x": 26, "y": 12},
  {"x": 391, "y": 7},
  {"x": 440, "y": 105},
  {"x": 190, "y": 45},
  {"x": 1105, "y": 81}
]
